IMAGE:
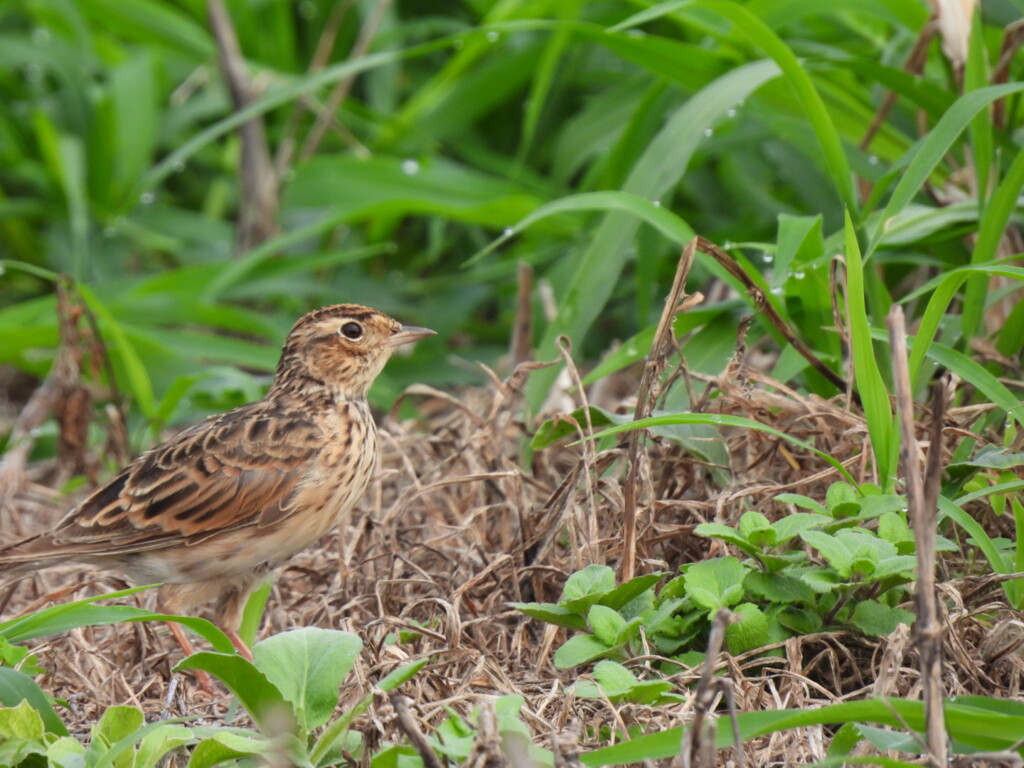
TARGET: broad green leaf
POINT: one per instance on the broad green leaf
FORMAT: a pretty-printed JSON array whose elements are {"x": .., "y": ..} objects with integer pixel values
[
  {"x": 833, "y": 549},
  {"x": 790, "y": 526},
  {"x": 307, "y": 666},
  {"x": 21, "y": 722},
  {"x": 17, "y": 687},
  {"x": 262, "y": 700},
  {"x": 626, "y": 593}
]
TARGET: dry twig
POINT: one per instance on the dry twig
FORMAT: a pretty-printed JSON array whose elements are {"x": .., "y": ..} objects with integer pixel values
[{"x": 922, "y": 494}]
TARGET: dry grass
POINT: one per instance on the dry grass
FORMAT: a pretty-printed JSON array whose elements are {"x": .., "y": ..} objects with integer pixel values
[{"x": 456, "y": 525}]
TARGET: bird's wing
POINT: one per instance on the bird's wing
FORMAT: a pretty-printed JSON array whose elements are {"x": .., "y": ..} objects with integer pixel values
[{"x": 229, "y": 471}]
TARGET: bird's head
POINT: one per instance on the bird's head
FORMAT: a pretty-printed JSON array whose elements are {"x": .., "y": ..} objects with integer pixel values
[{"x": 342, "y": 347}]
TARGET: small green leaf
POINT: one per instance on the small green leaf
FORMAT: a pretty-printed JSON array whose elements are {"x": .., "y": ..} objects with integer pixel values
[
  {"x": 727, "y": 534},
  {"x": 157, "y": 743},
  {"x": 874, "y": 618},
  {"x": 793, "y": 525},
  {"x": 17, "y": 687},
  {"x": 619, "y": 684},
  {"x": 716, "y": 583},
  {"x": 832, "y": 549},
  {"x": 821, "y": 580},
  {"x": 225, "y": 746},
  {"x": 398, "y": 676},
  {"x": 842, "y": 500},
  {"x": 606, "y": 624},
  {"x": 632, "y": 589},
  {"x": 21, "y": 722},
  {"x": 751, "y": 631},
  {"x": 753, "y": 521},
  {"x": 805, "y": 502},
  {"x": 801, "y": 621},
  {"x": 580, "y": 649},
  {"x": 778, "y": 587},
  {"x": 587, "y": 587},
  {"x": 552, "y": 614},
  {"x": 66, "y": 752}
]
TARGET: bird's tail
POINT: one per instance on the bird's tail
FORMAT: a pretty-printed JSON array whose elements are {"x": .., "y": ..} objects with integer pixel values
[{"x": 23, "y": 555}]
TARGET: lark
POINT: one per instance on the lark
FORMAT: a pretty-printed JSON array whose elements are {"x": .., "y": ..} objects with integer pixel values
[{"x": 210, "y": 513}]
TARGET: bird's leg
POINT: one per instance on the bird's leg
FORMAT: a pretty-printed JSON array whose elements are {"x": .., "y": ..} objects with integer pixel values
[
  {"x": 239, "y": 643},
  {"x": 202, "y": 677}
]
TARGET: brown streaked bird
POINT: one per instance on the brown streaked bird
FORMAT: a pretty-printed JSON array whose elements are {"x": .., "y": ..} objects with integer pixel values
[{"x": 214, "y": 509}]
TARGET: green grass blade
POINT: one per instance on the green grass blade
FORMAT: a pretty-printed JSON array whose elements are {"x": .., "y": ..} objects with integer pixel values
[
  {"x": 946, "y": 287},
  {"x": 796, "y": 77},
  {"x": 140, "y": 385},
  {"x": 663, "y": 220},
  {"x": 991, "y": 229},
  {"x": 658, "y": 170},
  {"x": 873, "y": 394},
  {"x": 933, "y": 148},
  {"x": 722, "y": 420}
]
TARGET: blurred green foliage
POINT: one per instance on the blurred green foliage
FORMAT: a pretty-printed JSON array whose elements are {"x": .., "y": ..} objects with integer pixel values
[{"x": 620, "y": 128}]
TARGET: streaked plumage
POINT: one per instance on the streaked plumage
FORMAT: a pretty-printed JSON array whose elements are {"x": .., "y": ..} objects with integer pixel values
[{"x": 219, "y": 505}]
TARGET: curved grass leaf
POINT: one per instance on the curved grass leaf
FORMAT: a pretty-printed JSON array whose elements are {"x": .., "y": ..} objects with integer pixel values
[
  {"x": 991, "y": 230},
  {"x": 722, "y": 420},
  {"x": 868, "y": 378},
  {"x": 663, "y": 220},
  {"x": 946, "y": 286},
  {"x": 930, "y": 151},
  {"x": 85, "y": 613},
  {"x": 974, "y": 725},
  {"x": 659, "y": 168},
  {"x": 140, "y": 385},
  {"x": 970, "y": 371},
  {"x": 796, "y": 77}
]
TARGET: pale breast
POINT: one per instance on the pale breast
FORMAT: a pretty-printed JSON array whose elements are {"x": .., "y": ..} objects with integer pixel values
[{"x": 332, "y": 485}]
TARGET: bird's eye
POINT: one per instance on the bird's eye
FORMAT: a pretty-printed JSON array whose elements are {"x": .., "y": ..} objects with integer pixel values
[{"x": 352, "y": 331}]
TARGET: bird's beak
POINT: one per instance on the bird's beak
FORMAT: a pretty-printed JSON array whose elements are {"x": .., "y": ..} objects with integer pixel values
[{"x": 408, "y": 334}]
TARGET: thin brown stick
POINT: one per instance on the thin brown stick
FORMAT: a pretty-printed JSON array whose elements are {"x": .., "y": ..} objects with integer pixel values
[
  {"x": 698, "y": 746},
  {"x": 646, "y": 396},
  {"x": 922, "y": 495},
  {"x": 342, "y": 89},
  {"x": 322, "y": 54},
  {"x": 522, "y": 331},
  {"x": 761, "y": 302},
  {"x": 258, "y": 182},
  {"x": 1013, "y": 38},
  {"x": 408, "y": 725},
  {"x": 914, "y": 65}
]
